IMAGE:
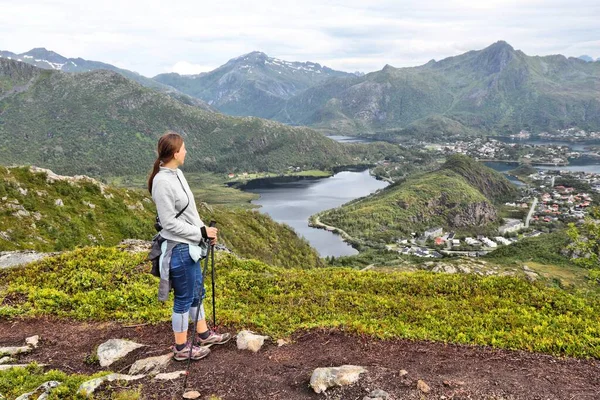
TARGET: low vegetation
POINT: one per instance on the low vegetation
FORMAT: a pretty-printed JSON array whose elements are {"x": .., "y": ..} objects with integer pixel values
[{"x": 505, "y": 312}]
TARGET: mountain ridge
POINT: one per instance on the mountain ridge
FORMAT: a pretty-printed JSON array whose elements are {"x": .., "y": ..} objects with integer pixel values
[{"x": 101, "y": 123}]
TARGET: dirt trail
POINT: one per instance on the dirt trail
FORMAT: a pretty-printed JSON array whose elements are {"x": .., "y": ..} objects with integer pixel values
[{"x": 456, "y": 372}]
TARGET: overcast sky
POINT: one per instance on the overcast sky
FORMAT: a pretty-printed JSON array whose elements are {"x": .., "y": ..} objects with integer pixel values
[{"x": 153, "y": 37}]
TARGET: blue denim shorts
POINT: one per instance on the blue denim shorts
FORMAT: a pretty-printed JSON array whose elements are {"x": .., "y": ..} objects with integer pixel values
[{"x": 186, "y": 279}]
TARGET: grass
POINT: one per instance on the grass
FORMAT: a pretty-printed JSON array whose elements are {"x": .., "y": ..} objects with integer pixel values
[
  {"x": 207, "y": 187},
  {"x": 503, "y": 312},
  {"x": 17, "y": 381}
]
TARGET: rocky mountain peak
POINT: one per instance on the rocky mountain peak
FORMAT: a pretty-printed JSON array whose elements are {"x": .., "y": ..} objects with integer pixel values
[
  {"x": 42, "y": 53},
  {"x": 495, "y": 58}
]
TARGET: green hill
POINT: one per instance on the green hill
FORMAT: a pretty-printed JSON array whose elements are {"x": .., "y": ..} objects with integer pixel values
[
  {"x": 96, "y": 214},
  {"x": 459, "y": 196},
  {"x": 496, "y": 90},
  {"x": 44, "y": 213},
  {"x": 100, "y": 123}
]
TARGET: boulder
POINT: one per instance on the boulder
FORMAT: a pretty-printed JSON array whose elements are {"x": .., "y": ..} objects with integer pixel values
[
  {"x": 6, "y": 360},
  {"x": 42, "y": 390},
  {"x": 324, "y": 378},
  {"x": 114, "y": 349},
  {"x": 152, "y": 365},
  {"x": 248, "y": 340},
  {"x": 13, "y": 351},
  {"x": 33, "y": 341},
  {"x": 4, "y": 367},
  {"x": 89, "y": 387}
]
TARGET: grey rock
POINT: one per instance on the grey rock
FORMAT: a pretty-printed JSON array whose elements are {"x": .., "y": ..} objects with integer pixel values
[
  {"x": 114, "y": 349},
  {"x": 6, "y": 360},
  {"x": 14, "y": 258},
  {"x": 170, "y": 376},
  {"x": 324, "y": 378},
  {"x": 45, "y": 388},
  {"x": 13, "y": 351},
  {"x": 531, "y": 276},
  {"x": 151, "y": 365},
  {"x": 33, "y": 341},
  {"x": 248, "y": 340},
  {"x": 5, "y": 367},
  {"x": 59, "y": 203},
  {"x": 89, "y": 387}
]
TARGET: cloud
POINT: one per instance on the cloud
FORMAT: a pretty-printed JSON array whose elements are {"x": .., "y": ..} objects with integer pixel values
[
  {"x": 188, "y": 36},
  {"x": 186, "y": 68}
]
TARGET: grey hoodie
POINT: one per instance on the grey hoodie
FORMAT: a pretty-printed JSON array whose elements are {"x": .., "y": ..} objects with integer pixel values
[{"x": 171, "y": 196}]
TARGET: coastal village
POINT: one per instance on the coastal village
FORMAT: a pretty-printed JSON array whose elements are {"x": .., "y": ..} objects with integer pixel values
[{"x": 548, "y": 206}]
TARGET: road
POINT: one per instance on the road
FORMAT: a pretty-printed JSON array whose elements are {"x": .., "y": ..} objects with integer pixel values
[{"x": 530, "y": 214}]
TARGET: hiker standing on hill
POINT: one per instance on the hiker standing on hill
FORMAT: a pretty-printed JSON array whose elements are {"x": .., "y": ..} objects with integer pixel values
[{"x": 186, "y": 243}]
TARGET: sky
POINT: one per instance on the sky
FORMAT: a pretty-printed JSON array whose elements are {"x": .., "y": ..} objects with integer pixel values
[{"x": 153, "y": 37}]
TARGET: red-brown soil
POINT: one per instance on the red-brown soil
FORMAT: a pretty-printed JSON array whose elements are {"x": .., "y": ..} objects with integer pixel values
[{"x": 456, "y": 372}]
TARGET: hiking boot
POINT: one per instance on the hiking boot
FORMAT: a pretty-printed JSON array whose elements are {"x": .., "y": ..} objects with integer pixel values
[
  {"x": 213, "y": 338},
  {"x": 184, "y": 354}
]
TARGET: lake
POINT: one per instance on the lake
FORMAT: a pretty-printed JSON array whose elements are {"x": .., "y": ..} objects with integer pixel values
[{"x": 293, "y": 202}]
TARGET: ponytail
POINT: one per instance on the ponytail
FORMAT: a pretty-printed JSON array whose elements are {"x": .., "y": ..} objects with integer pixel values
[{"x": 155, "y": 170}]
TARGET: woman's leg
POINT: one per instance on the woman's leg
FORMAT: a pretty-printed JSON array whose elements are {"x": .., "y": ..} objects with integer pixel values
[{"x": 183, "y": 278}]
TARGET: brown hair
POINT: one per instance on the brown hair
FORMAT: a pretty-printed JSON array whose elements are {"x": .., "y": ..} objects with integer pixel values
[{"x": 168, "y": 145}]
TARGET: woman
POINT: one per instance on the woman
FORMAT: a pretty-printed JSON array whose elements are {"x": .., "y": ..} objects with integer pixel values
[{"x": 186, "y": 242}]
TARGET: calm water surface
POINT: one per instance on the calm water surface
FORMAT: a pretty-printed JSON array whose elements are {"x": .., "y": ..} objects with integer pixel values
[{"x": 293, "y": 202}]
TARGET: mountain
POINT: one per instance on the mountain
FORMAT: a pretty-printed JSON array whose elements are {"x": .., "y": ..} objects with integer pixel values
[
  {"x": 459, "y": 196},
  {"x": 34, "y": 202},
  {"x": 46, "y": 59},
  {"x": 42, "y": 211},
  {"x": 100, "y": 123},
  {"x": 251, "y": 85},
  {"x": 586, "y": 58},
  {"x": 496, "y": 90}
]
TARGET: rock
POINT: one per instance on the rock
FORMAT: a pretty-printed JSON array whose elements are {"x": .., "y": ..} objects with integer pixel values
[
  {"x": 6, "y": 360},
  {"x": 14, "y": 258},
  {"x": 13, "y": 351},
  {"x": 170, "y": 376},
  {"x": 193, "y": 394},
  {"x": 403, "y": 372},
  {"x": 248, "y": 340},
  {"x": 151, "y": 365},
  {"x": 423, "y": 387},
  {"x": 281, "y": 342},
  {"x": 2, "y": 397},
  {"x": 45, "y": 388},
  {"x": 88, "y": 387},
  {"x": 4, "y": 367},
  {"x": 135, "y": 245},
  {"x": 33, "y": 341},
  {"x": 531, "y": 276},
  {"x": 114, "y": 349},
  {"x": 59, "y": 203},
  {"x": 377, "y": 394},
  {"x": 324, "y": 378}
]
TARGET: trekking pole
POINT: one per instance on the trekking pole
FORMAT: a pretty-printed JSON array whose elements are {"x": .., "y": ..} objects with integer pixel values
[
  {"x": 210, "y": 250},
  {"x": 212, "y": 261}
]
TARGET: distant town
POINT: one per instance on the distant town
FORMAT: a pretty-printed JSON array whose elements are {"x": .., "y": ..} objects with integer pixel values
[{"x": 548, "y": 207}]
